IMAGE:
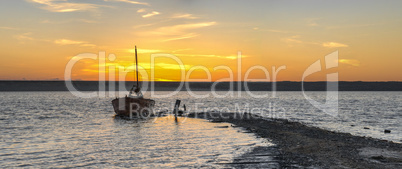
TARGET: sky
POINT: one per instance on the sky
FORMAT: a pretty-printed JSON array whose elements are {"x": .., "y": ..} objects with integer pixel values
[{"x": 200, "y": 40}]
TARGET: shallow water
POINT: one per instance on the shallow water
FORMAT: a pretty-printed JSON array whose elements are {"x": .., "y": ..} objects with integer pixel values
[
  {"x": 377, "y": 111},
  {"x": 57, "y": 129}
]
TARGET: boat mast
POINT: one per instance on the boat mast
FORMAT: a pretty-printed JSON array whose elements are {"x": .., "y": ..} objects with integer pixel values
[{"x": 136, "y": 65}]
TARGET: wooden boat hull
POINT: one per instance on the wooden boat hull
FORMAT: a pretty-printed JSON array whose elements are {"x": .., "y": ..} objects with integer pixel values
[{"x": 138, "y": 107}]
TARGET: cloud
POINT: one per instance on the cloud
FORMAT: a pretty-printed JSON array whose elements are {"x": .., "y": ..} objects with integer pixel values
[
  {"x": 187, "y": 36},
  {"x": 173, "y": 32},
  {"x": 69, "y": 21},
  {"x": 88, "y": 45},
  {"x": 153, "y": 13},
  {"x": 144, "y": 25},
  {"x": 231, "y": 57},
  {"x": 292, "y": 39},
  {"x": 352, "y": 62},
  {"x": 181, "y": 29},
  {"x": 184, "y": 16},
  {"x": 131, "y": 2},
  {"x": 64, "y": 6},
  {"x": 333, "y": 45},
  {"x": 141, "y": 10},
  {"x": 141, "y": 50},
  {"x": 24, "y": 36},
  {"x": 276, "y": 31},
  {"x": 296, "y": 40},
  {"x": 8, "y": 28},
  {"x": 68, "y": 42},
  {"x": 73, "y": 42},
  {"x": 149, "y": 14}
]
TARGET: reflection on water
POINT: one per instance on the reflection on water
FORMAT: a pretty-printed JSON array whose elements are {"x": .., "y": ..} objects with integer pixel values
[
  {"x": 46, "y": 130},
  {"x": 374, "y": 110},
  {"x": 56, "y": 129},
  {"x": 190, "y": 142}
]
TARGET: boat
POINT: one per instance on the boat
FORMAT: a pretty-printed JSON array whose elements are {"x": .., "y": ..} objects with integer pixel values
[{"x": 134, "y": 105}]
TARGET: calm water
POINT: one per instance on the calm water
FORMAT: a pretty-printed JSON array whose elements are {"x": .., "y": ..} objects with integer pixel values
[
  {"x": 57, "y": 129},
  {"x": 356, "y": 110}
]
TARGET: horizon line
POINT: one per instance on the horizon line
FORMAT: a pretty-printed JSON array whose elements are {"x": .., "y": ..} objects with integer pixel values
[{"x": 183, "y": 81}]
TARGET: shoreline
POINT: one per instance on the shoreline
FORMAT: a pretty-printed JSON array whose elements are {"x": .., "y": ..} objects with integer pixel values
[{"x": 307, "y": 146}]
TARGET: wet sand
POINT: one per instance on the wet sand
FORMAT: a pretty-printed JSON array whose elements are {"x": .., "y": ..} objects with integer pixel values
[{"x": 299, "y": 145}]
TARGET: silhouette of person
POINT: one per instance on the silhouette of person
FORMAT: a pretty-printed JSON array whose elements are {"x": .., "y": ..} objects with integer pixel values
[{"x": 137, "y": 92}]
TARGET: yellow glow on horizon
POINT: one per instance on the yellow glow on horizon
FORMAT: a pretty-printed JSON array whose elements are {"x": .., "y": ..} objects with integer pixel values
[
  {"x": 352, "y": 62},
  {"x": 39, "y": 45}
]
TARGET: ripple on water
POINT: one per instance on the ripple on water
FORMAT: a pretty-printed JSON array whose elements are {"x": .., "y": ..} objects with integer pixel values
[
  {"x": 68, "y": 131},
  {"x": 72, "y": 136}
]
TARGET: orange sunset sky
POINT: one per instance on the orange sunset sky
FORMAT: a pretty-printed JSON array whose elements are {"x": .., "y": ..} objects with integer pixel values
[{"x": 39, "y": 38}]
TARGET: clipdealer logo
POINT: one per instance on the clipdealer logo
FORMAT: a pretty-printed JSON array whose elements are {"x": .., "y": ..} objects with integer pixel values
[{"x": 330, "y": 61}]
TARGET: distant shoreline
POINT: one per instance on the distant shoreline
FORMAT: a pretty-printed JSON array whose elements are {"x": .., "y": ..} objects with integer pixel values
[{"x": 19, "y": 85}]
